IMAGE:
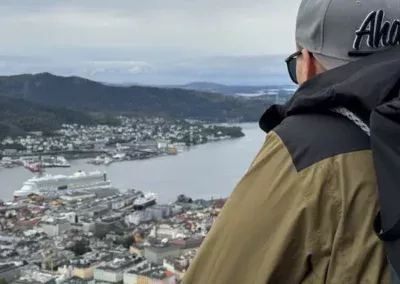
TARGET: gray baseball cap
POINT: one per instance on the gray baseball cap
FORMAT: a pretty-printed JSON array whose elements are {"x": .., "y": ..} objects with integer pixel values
[{"x": 340, "y": 31}]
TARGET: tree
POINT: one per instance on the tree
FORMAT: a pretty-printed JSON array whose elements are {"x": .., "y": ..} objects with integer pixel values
[
  {"x": 126, "y": 241},
  {"x": 80, "y": 248},
  {"x": 3, "y": 281}
]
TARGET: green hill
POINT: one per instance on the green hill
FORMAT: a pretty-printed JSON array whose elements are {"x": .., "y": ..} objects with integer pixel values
[
  {"x": 86, "y": 95},
  {"x": 18, "y": 116}
]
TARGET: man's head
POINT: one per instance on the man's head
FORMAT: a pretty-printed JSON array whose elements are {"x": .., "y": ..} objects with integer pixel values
[{"x": 331, "y": 33}]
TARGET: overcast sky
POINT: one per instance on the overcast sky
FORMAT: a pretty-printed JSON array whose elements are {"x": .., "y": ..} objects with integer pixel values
[{"x": 133, "y": 38}]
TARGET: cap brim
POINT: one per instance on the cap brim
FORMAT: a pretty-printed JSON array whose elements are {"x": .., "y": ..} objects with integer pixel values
[{"x": 329, "y": 62}]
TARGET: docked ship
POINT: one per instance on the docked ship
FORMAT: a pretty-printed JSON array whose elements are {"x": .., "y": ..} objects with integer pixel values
[
  {"x": 55, "y": 162},
  {"x": 81, "y": 181},
  {"x": 52, "y": 162},
  {"x": 143, "y": 202},
  {"x": 99, "y": 160}
]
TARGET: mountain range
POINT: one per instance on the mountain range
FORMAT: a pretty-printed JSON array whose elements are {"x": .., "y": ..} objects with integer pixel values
[
  {"x": 45, "y": 100},
  {"x": 154, "y": 69}
]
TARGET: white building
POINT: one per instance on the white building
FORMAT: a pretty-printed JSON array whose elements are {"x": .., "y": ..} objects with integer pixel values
[
  {"x": 55, "y": 227},
  {"x": 117, "y": 204},
  {"x": 88, "y": 226},
  {"x": 166, "y": 231},
  {"x": 113, "y": 272},
  {"x": 162, "y": 144},
  {"x": 138, "y": 217}
]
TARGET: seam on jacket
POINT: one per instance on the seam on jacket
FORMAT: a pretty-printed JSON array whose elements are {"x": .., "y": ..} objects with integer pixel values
[
  {"x": 259, "y": 159},
  {"x": 331, "y": 158}
]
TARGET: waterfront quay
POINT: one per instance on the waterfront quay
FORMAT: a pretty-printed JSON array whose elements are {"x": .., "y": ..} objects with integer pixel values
[{"x": 131, "y": 139}]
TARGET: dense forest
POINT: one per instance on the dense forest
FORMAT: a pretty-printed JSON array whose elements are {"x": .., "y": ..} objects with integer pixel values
[{"x": 17, "y": 117}]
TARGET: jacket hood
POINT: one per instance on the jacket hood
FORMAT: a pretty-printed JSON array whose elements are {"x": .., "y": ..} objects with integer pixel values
[{"x": 360, "y": 86}]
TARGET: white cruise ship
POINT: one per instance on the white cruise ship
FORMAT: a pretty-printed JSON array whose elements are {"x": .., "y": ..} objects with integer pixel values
[{"x": 82, "y": 181}]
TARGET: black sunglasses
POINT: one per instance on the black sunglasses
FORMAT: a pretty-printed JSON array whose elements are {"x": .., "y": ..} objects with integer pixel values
[{"x": 291, "y": 63}]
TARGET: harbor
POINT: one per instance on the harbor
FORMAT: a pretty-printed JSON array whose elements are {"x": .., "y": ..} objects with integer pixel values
[
  {"x": 141, "y": 218},
  {"x": 83, "y": 221},
  {"x": 168, "y": 175}
]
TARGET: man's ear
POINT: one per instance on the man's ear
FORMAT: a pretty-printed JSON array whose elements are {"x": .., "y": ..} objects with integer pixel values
[{"x": 310, "y": 64}]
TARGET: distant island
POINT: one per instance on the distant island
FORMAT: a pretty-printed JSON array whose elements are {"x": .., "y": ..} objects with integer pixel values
[{"x": 283, "y": 90}]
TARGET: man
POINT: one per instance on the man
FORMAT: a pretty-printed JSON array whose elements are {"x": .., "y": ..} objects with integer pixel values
[{"x": 304, "y": 212}]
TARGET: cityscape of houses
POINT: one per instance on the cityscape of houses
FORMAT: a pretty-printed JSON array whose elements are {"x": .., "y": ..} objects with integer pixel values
[
  {"x": 101, "y": 239},
  {"x": 97, "y": 234},
  {"x": 134, "y": 138}
]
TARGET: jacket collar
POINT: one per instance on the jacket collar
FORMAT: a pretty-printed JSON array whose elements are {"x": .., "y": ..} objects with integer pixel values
[{"x": 359, "y": 86}]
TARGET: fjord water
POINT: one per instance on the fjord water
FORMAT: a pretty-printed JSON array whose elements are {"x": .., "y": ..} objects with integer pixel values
[{"x": 204, "y": 171}]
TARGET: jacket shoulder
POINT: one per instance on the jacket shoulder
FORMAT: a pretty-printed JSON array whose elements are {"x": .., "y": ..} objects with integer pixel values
[{"x": 311, "y": 138}]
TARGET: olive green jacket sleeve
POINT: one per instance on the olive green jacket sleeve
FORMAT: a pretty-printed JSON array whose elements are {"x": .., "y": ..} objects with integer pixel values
[{"x": 284, "y": 226}]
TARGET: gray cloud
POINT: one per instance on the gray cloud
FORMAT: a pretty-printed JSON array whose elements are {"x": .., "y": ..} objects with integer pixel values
[{"x": 141, "y": 37}]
